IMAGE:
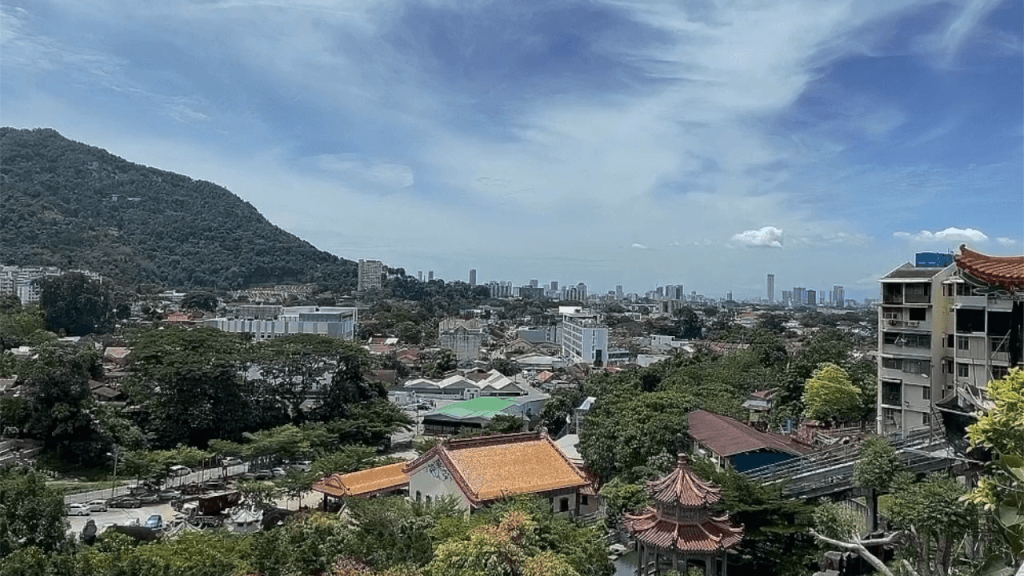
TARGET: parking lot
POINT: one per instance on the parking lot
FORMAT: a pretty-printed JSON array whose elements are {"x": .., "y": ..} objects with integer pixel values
[{"x": 121, "y": 516}]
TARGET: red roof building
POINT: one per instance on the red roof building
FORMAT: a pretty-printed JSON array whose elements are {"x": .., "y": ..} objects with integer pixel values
[
  {"x": 1003, "y": 271},
  {"x": 681, "y": 530},
  {"x": 730, "y": 442}
]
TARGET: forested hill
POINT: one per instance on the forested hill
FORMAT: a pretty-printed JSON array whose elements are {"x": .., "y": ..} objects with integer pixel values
[{"x": 63, "y": 203}]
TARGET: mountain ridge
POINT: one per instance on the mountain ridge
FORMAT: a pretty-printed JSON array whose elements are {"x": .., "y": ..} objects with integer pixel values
[{"x": 68, "y": 204}]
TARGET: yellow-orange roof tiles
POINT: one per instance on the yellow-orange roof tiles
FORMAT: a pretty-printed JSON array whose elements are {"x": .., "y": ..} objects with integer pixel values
[
  {"x": 365, "y": 482},
  {"x": 492, "y": 467}
]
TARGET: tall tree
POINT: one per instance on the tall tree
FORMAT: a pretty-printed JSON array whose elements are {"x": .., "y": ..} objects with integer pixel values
[
  {"x": 31, "y": 514},
  {"x": 76, "y": 305},
  {"x": 191, "y": 385},
  {"x": 830, "y": 396},
  {"x": 295, "y": 366}
]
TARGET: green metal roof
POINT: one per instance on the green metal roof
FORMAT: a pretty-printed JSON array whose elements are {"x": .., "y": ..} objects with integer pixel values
[{"x": 482, "y": 407}]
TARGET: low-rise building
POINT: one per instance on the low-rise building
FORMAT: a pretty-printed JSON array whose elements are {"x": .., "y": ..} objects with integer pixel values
[
  {"x": 333, "y": 321},
  {"x": 482, "y": 470},
  {"x": 464, "y": 337},
  {"x": 477, "y": 413},
  {"x": 730, "y": 442}
]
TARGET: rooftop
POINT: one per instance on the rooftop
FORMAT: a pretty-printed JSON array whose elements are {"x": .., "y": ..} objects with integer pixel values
[
  {"x": 727, "y": 436},
  {"x": 491, "y": 467},
  {"x": 482, "y": 407},
  {"x": 908, "y": 271},
  {"x": 1004, "y": 271},
  {"x": 365, "y": 482}
]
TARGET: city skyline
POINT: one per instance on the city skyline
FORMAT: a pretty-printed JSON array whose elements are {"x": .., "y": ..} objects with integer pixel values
[{"x": 609, "y": 144}]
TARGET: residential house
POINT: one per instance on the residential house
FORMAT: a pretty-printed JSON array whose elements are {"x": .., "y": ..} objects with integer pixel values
[{"x": 730, "y": 442}]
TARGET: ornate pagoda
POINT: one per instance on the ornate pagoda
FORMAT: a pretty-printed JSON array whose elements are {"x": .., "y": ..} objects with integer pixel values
[{"x": 680, "y": 531}]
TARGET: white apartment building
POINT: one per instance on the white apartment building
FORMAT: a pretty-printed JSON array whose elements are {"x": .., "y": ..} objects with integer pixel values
[
  {"x": 333, "y": 321},
  {"x": 945, "y": 328},
  {"x": 371, "y": 275},
  {"x": 22, "y": 280},
  {"x": 464, "y": 337},
  {"x": 584, "y": 338}
]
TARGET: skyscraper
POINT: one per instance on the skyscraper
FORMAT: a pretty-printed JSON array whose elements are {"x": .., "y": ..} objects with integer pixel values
[
  {"x": 370, "y": 273},
  {"x": 839, "y": 295},
  {"x": 812, "y": 298},
  {"x": 771, "y": 288},
  {"x": 430, "y": 276},
  {"x": 472, "y": 277}
]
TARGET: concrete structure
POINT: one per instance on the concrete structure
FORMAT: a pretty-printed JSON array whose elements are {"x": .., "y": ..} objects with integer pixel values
[
  {"x": 333, "y": 321},
  {"x": 584, "y": 338},
  {"x": 464, "y": 337},
  {"x": 472, "y": 278},
  {"x": 371, "y": 275},
  {"x": 538, "y": 334},
  {"x": 838, "y": 296},
  {"x": 463, "y": 388},
  {"x": 480, "y": 471},
  {"x": 944, "y": 331},
  {"x": 771, "y": 288}
]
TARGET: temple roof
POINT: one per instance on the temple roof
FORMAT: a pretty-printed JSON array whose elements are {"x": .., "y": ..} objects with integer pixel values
[
  {"x": 365, "y": 482},
  {"x": 490, "y": 467},
  {"x": 1004, "y": 271},
  {"x": 682, "y": 486},
  {"x": 711, "y": 535}
]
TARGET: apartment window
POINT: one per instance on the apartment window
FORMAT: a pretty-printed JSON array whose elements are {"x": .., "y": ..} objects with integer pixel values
[
  {"x": 916, "y": 366},
  {"x": 947, "y": 289},
  {"x": 563, "y": 505},
  {"x": 963, "y": 370},
  {"x": 999, "y": 372},
  {"x": 963, "y": 343},
  {"x": 917, "y": 314},
  {"x": 963, "y": 290},
  {"x": 926, "y": 419},
  {"x": 892, "y": 393},
  {"x": 918, "y": 341},
  {"x": 584, "y": 500},
  {"x": 926, "y": 393},
  {"x": 419, "y": 496},
  {"x": 949, "y": 340},
  {"x": 916, "y": 293},
  {"x": 891, "y": 338},
  {"x": 1001, "y": 344},
  {"x": 947, "y": 366},
  {"x": 892, "y": 363}
]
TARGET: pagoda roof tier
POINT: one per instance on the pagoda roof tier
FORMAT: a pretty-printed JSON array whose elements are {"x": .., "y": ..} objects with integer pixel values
[
  {"x": 709, "y": 536},
  {"x": 683, "y": 487},
  {"x": 1004, "y": 271}
]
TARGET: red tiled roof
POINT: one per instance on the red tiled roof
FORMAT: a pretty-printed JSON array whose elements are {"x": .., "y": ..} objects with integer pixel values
[
  {"x": 682, "y": 486},
  {"x": 1004, "y": 271},
  {"x": 711, "y": 535},
  {"x": 727, "y": 436}
]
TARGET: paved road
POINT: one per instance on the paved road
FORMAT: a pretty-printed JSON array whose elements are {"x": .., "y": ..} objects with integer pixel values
[{"x": 170, "y": 483}]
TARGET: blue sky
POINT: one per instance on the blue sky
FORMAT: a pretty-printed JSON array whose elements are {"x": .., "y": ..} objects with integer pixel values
[{"x": 697, "y": 143}]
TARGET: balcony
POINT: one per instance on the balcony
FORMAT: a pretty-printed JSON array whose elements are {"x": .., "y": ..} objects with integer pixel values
[
  {"x": 917, "y": 299},
  {"x": 892, "y": 399},
  {"x": 892, "y": 299},
  {"x": 969, "y": 301}
]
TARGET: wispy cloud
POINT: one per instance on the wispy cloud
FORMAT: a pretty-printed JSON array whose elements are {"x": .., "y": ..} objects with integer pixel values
[
  {"x": 767, "y": 237},
  {"x": 1007, "y": 241},
  {"x": 951, "y": 234},
  {"x": 639, "y": 246}
]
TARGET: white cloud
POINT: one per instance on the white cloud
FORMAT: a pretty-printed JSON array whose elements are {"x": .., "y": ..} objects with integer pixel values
[
  {"x": 950, "y": 234},
  {"x": 639, "y": 246},
  {"x": 767, "y": 237},
  {"x": 1007, "y": 241},
  {"x": 388, "y": 174}
]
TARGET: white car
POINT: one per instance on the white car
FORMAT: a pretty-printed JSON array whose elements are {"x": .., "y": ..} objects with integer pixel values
[
  {"x": 278, "y": 472},
  {"x": 78, "y": 510},
  {"x": 97, "y": 505}
]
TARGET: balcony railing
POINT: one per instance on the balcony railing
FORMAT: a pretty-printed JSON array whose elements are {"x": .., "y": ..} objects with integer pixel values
[{"x": 892, "y": 299}]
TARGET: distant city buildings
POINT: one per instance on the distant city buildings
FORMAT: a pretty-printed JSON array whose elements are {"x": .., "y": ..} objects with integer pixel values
[
  {"x": 838, "y": 296},
  {"x": 584, "y": 337},
  {"x": 333, "y": 321},
  {"x": 371, "y": 275},
  {"x": 771, "y": 288},
  {"x": 22, "y": 281},
  {"x": 464, "y": 337},
  {"x": 472, "y": 278}
]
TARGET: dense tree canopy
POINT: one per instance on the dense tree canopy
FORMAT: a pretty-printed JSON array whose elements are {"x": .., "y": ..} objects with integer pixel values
[
  {"x": 76, "y": 305},
  {"x": 31, "y": 514}
]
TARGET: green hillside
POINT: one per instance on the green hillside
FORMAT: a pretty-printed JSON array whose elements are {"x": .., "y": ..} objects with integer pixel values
[{"x": 63, "y": 203}]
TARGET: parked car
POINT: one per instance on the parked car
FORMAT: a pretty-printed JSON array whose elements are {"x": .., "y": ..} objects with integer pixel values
[
  {"x": 149, "y": 499},
  {"x": 124, "y": 502},
  {"x": 97, "y": 506},
  {"x": 78, "y": 510},
  {"x": 302, "y": 466},
  {"x": 178, "y": 470},
  {"x": 231, "y": 461},
  {"x": 155, "y": 522},
  {"x": 278, "y": 472},
  {"x": 263, "y": 475},
  {"x": 169, "y": 495}
]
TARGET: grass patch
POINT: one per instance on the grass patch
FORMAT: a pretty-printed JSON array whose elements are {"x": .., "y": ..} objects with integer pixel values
[{"x": 75, "y": 487}]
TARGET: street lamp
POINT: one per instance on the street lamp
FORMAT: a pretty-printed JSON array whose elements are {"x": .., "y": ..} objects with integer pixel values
[{"x": 113, "y": 484}]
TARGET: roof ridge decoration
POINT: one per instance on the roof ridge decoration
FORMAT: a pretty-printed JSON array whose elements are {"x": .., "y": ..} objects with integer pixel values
[
  {"x": 1004, "y": 271},
  {"x": 681, "y": 486}
]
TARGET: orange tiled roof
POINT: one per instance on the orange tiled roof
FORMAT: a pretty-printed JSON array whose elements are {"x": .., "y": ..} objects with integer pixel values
[
  {"x": 365, "y": 482},
  {"x": 711, "y": 535},
  {"x": 1004, "y": 271},
  {"x": 491, "y": 467}
]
